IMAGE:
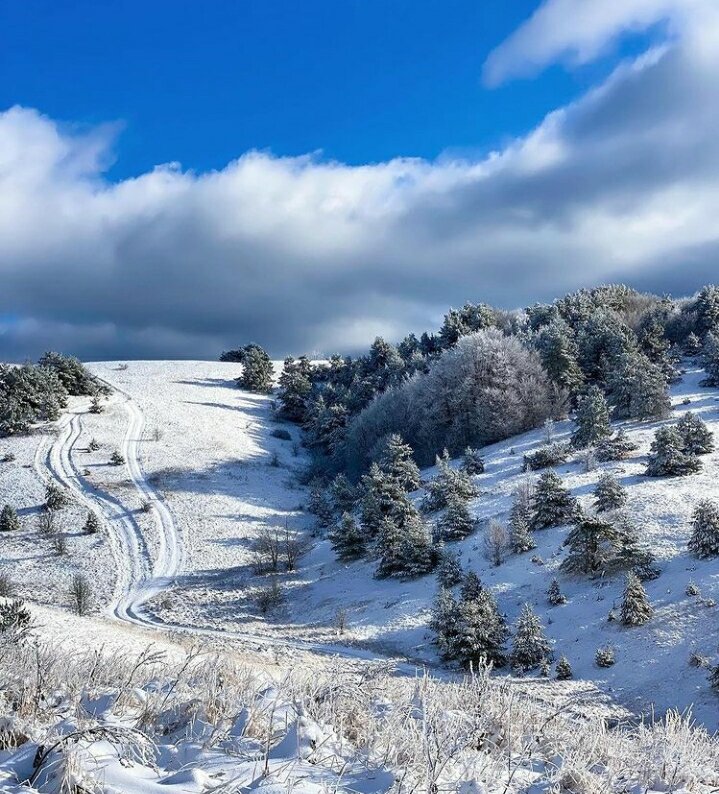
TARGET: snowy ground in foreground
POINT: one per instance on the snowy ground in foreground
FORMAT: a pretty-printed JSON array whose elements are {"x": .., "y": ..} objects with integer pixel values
[{"x": 208, "y": 449}]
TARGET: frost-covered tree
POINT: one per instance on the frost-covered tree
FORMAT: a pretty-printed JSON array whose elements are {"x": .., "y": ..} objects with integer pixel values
[
  {"x": 117, "y": 458},
  {"x": 96, "y": 406},
  {"x": 405, "y": 550},
  {"x": 397, "y": 461},
  {"x": 496, "y": 542},
  {"x": 530, "y": 645},
  {"x": 444, "y": 622},
  {"x": 257, "y": 371},
  {"x": 457, "y": 522},
  {"x": 92, "y": 523},
  {"x": 710, "y": 358},
  {"x": 592, "y": 546},
  {"x": 631, "y": 553},
  {"x": 707, "y": 309},
  {"x": 383, "y": 498},
  {"x": 638, "y": 388},
  {"x": 609, "y": 494},
  {"x": 320, "y": 505},
  {"x": 635, "y": 609},
  {"x": 554, "y": 594},
  {"x": 592, "y": 418},
  {"x": 472, "y": 462},
  {"x": 9, "y": 521},
  {"x": 471, "y": 586},
  {"x": 55, "y": 497},
  {"x": 449, "y": 568},
  {"x": 449, "y": 483},
  {"x": 295, "y": 383},
  {"x": 552, "y": 503},
  {"x": 558, "y": 350},
  {"x": 482, "y": 631},
  {"x": 704, "y": 541},
  {"x": 342, "y": 493},
  {"x": 348, "y": 540},
  {"x": 616, "y": 447},
  {"x": 696, "y": 436},
  {"x": 72, "y": 374},
  {"x": 668, "y": 457},
  {"x": 692, "y": 345},
  {"x": 520, "y": 534},
  {"x": 563, "y": 670},
  {"x": 657, "y": 348}
]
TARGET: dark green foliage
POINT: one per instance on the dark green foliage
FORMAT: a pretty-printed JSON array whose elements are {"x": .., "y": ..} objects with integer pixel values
[
  {"x": 631, "y": 553},
  {"x": 55, "y": 497},
  {"x": 29, "y": 394},
  {"x": 462, "y": 322},
  {"x": 710, "y": 358},
  {"x": 543, "y": 458},
  {"x": 554, "y": 594},
  {"x": 616, "y": 447},
  {"x": 472, "y": 462},
  {"x": 457, "y": 522},
  {"x": 479, "y": 633},
  {"x": 552, "y": 504},
  {"x": 471, "y": 586},
  {"x": 609, "y": 494},
  {"x": 405, "y": 550},
  {"x": 592, "y": 546},
  {"x": 704, "y": 541},
  {"x": 604, "y": 657},
  {"x": 558, "y": 348},
  {"x": 668, "y": 457},
  {"x": 449, "y": 568},
  {"x": 295, "y": 383},
  {"x": 320, "y": 505},
  {"x": 447, "y": 484},
  {"x": 117, "y": 458},
  {"x": 638, "y": 388},
  {"x": 257, "y": 371},
  {"x": 530, "y": 645},
  {"x": 697, "y": 438},
  {"x": 563, "y": 670},
  {"x": 238, "y": 356},
  {"x": 96, "y": 407},
  {"x": 92, "y": 524},
  {"x": 592, "y": 418},
  {"x": 348, "y": 540},
  {"x": 383, "y": 498},
  {"x": 657, "y": 348},
  {"x": 692, "y": 345},
  {"x": 76, "y": 380},
  {"x": 707, "y": 310},
  {"x": 342, "y": 493},
  {"x": 396, "y": 460},
  {"x": 9, "y": 521},
  {"x": 635, "y": 609},
  {"x": 520, "y": 519}
]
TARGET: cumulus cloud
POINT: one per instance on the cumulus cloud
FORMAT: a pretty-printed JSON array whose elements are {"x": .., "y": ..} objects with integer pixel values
[{"x": 301, "y": 254}]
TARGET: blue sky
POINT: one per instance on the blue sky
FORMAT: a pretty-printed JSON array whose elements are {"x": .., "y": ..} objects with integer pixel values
[
  {"x": 202, "y": 82},
  {"x": 342, "y": 169}
]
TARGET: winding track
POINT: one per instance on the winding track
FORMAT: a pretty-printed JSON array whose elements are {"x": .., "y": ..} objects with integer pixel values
[{"x": 139, "y": 579}]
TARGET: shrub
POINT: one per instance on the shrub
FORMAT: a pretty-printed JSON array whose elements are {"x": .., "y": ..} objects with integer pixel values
[
  {"x": 269, "y": 598},
  {"x": 92, "y": 523},
  {"x": 552, "y": 455},
  {"x": 55, "y": 497},
  {"x": 604, "y": 657},
  {"x": 80, "y": 594},
  {"x": 554, "y": 595},
  {"x": 117, "y": 458},
  {"x": 472, "y": 462},
  {"x": 704, "y": 541},
  {"x": 8, "y": 457},
  {"x": 563, "y": 669},
  {"x": 9, "y": 521}
]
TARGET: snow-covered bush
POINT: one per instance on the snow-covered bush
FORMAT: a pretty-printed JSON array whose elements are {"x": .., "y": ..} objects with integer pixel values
[
  {"x": 9, "y": 521},
  {"x": 704, "y": 541},
  {"x": 543, "y": 458}
]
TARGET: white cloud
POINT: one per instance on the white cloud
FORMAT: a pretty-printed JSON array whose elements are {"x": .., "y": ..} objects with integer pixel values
[{"x": 302, "y": 254}]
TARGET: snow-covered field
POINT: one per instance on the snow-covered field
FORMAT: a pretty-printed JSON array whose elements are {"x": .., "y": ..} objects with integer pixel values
[{"x": 204, "y": 475}]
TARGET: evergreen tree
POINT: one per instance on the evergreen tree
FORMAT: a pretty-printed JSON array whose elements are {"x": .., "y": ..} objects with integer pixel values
[
  {"x": 383, "y": 498},
  {"x": 448, "y": 482},
  {"x": 704, "y": 541},
  {"x": 710, "y": 359},
  {"x": 592, "y": 546},
  {"x": 347, "y": 539},
  {"x": 657, "y": 348},
  {"x": 696, "y": 436},
  {"x": 530, "y": 645},
  {"x": 449, "y": 570},
  {"x": 559, "y": 355},
  {"x": 635, "y": 609},
  {"x": 257, "y": 371},
  {"x": 55, "y": 497},
  {"x": 668, "y": 458},
  {"x": 405, "y": 550},
  {"x": 92, "y": 524},
  {"x": 617, "y": 447},
  {"x": 554, "y": 595},
  {"x": 563, "y": 669},
  {"x": 631, "y": 553},
  {"x": 320, "y": 505},
  {"x": 343, "y": 494},
  {"x": 96, "y": 407},
  {"x": 295, "y": 383},
  {"x": 472, "y": 462},
  {"x": 457, "y": 522},
  {"x": 552, "y": 504},
  {"x": 444, "y": 622},
  {"x": 471, "y": 586},
  {"x": 692, "y": 345},
  {"x": 520, "y": 519},
  {"x": 482, "y": 631},
  {"x": 592, "y": 418},
  {"x": 9, "y": 521},
  {"x": 609, "y": 494},
  {"x": 707, "y": 309},
  {"x": 397, "y": 462},
  {"x": 638, "y": 388}
]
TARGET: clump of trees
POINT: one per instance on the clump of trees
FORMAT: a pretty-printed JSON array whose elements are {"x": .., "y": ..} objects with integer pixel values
[{"x": 669, "y": 456}]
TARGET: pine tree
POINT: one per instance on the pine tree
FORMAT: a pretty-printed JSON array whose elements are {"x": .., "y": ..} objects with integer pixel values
[
  {"x": 692, "y": 345},
  {"x": 449, "y": 570},
  {"x": 320, "y": 505},
  {"x": 55, "y": 497},
  {"x": 257, "y": 370},
  {"x": 609, "y": 494},
  {"x": 117, "y": 458},
  {"x": 9, "y": 521},
  {"x": 383, "y": 497},
  {"x": 563, "y": 669},
  {"x": 347, "y": 539},
  {"x": 631, "y": 553},
  {"x": 295, "y": 383},
  {"x": 559, "y": 355},
  {"x": 397, "y": 461},
  {"x": 457, "y": 522},
  {"x": 92, "y": 524},
  {"x": 482, "y": 631},
  {"x": 697, "y": 438},
  {"x": 667, "y": 456},
  {"x": 448, "y": 482},
  {"x": 520, "y": 535},
  {"x": 592, "y": 418},
  {"x": 638, "y": 388},
  {"x": 707, "y": 309},
  {"x": 592, "y": 546},
  {"x": 635, "y": 609},
  {"x": 444, "y": 622},
  {"x": 552, "y": 504},
  {"x": 343, "y": 494},
  {"x": 710, "y": 359},
  {"x": 657, "y": 348},
  {"x": 405, "y": 550},
  {"x": 530, "y": 645},
  {"x": 554, "y": 595},
  {"x": 704, "y": 541},
  {"x": 472, "y": 462},
  {"x": 471, "y": 586},
  {"x": 96, "y": 407},
  {"x": 617, "y": 447}
]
